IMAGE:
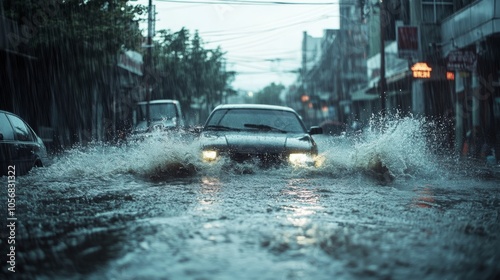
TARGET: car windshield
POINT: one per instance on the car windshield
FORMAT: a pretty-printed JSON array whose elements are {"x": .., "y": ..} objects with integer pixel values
[
  {"x": 157, "y": 112},
  {"x": 255, "y": 120}
]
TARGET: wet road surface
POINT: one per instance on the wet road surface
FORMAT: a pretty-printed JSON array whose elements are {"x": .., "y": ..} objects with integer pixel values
[{"x": 108, "y": 212}]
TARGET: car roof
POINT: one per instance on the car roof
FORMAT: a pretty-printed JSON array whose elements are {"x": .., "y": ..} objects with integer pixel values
[
  {"x": 158, "y": 101},
  {"x": 7, "y": 112},
  {"x": 254, "y": 106}
]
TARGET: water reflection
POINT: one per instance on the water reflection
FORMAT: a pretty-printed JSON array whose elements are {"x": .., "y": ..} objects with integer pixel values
[
  {"x": 302, "y": 202},
  {"x": 425, "y": 198},
  {"x": 209, "y": 191}
]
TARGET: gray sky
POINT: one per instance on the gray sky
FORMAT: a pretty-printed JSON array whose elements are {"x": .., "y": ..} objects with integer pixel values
[{"x": 262, "y": 42}]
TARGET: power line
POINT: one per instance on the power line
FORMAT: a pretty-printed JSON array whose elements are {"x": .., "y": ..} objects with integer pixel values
[
  {"x": 250, "y": 2},
  {"x": 288, "y": 19},
  {"x": 286, "y": 72},
  {"x": 259, "y": 32}
]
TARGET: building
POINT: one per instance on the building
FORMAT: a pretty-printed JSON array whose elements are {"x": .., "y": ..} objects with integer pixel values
[
  {"x": 440, "y": 60},
  {"x": 470, "y": 45},
  {"x": 338, "y": 69},
  {"x": 451, "y": 48}
]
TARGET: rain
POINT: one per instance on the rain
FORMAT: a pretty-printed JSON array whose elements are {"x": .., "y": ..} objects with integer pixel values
[{"x": 103, "y": 104}]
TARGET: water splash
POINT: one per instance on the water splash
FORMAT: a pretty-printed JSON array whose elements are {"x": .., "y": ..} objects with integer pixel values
[
  {"x": 154, "y": 157},
  {"x": 397, "y": 147}
]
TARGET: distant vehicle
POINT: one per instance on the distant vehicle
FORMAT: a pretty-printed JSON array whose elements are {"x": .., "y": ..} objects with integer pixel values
[
  {"x": 164, "y": 114},
  {"x": 333, "y": 128},
  {"x": 265, "y": 134},
  {"x": 20, "y": 148}
]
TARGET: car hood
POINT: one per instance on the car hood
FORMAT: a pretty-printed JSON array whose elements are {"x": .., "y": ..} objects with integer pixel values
[{"x": 257, "y": 143}]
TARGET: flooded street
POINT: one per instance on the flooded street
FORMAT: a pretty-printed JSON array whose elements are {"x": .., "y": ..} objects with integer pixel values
[
  {"x": 250, "y": 139},
  {"x": 125, "y": 212}
]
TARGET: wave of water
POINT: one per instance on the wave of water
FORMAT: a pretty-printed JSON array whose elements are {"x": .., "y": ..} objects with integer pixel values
[{"x": 396, "y": 148}]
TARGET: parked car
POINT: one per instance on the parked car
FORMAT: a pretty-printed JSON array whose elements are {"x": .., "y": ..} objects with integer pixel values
[
  {"x": 20, "y": 148},
  {"x": 163, "y": 114},
  {"x": 265, "y": 134},
  {"x": 333, "y": 128}
]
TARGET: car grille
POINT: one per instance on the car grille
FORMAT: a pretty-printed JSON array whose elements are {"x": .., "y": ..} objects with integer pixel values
[{"x": 264, "y": 159}]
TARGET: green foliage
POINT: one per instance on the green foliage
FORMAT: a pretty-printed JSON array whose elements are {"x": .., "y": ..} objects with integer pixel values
[
  {"x": 270, "y": 94},
  {"x": 188, "y": 70},
  {"x": 76, "y": 44},
  {"x": 104, "y": 25}
]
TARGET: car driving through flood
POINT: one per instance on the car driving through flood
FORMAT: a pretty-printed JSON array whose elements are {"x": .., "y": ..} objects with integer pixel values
[{"x": 263, "y": 134}]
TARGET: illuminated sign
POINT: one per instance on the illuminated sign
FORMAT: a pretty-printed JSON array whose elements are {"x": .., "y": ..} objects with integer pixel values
[
  {"x": 450, "y": 76},
  {"x": 421, "y": 70}
]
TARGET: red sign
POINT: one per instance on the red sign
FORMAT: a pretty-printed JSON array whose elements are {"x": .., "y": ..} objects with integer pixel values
[
  {"x": 407, "y": 40},
  {"x": 462, "y": 60}
]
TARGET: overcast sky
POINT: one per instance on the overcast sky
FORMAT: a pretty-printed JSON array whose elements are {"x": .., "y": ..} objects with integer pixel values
[{"x": 262, "y": 42}]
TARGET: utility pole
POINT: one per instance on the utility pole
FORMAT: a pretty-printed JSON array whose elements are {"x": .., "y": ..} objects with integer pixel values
[
  {"x": 149, "y": 61},
  {"x": 382, "y": 82}
]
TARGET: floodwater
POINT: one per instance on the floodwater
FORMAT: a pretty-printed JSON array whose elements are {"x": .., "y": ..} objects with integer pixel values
[{"x": 382, "y": 206}]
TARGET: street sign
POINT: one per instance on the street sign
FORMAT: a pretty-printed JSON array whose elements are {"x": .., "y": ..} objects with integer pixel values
[
  {"x": 462, "y": 60},
  {"x": 421, "y": 70}
]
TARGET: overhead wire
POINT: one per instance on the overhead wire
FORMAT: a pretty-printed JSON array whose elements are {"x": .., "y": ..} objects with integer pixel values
[
  {"x": 251, "y": 2},
  {"x": 299, "y": 16},
  {"x": 267, "y": 31},
  {"x": 259, "y": 32}
]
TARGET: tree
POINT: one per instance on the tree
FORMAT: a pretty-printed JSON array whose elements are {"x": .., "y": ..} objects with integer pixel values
[
  {"x": 270, "y": 94},
  {"x": 188, "y": 71},
  {"x": 76, "y": 43}
]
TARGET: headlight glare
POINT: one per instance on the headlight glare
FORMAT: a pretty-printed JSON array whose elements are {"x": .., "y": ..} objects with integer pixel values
[
  {"x": 300, "y": 159},
  {"x": 209, "y": 155}
]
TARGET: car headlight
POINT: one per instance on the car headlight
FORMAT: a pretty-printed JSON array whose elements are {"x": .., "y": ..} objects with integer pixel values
[
  {"x": 209, "y": 155},
  {"x": 301, "y": 159}
]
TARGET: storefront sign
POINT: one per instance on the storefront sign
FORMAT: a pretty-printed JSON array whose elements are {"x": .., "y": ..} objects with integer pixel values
[
  {"x": 407, "y": 39},
  {"x": 461, "y": 60},
  {"x": 421, "y": 70}
]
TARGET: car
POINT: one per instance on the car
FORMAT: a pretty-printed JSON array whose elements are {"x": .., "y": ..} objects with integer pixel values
[
  {"x": 333, "y": 128},
  {"x": 264, "y": 134},
  {"x": 20, "y": 147},
  {"x": 164, "y": 114}
]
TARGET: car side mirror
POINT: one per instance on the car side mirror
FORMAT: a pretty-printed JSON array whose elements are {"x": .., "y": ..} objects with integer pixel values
[
  {"x": 315, "y": 130},
  {"x": 1, "y": 136}
]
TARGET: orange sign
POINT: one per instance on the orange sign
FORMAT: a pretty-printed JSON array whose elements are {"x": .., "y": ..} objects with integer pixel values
[
  {"x": 450, "y": 76},
  {"x": 421, "y": 70}
]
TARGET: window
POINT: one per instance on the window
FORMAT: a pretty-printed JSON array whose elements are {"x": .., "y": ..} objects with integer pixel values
[
  {"x": 5, "y": 128},
  {"x": 434, "y": 11},
  {"x": 158, "y": 112},
  {"x": 240, "y": 118},
  {"x": 21, "y": 131}
]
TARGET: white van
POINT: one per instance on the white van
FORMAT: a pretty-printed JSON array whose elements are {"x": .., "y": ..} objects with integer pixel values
[{"x": 164, "y": 114}]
